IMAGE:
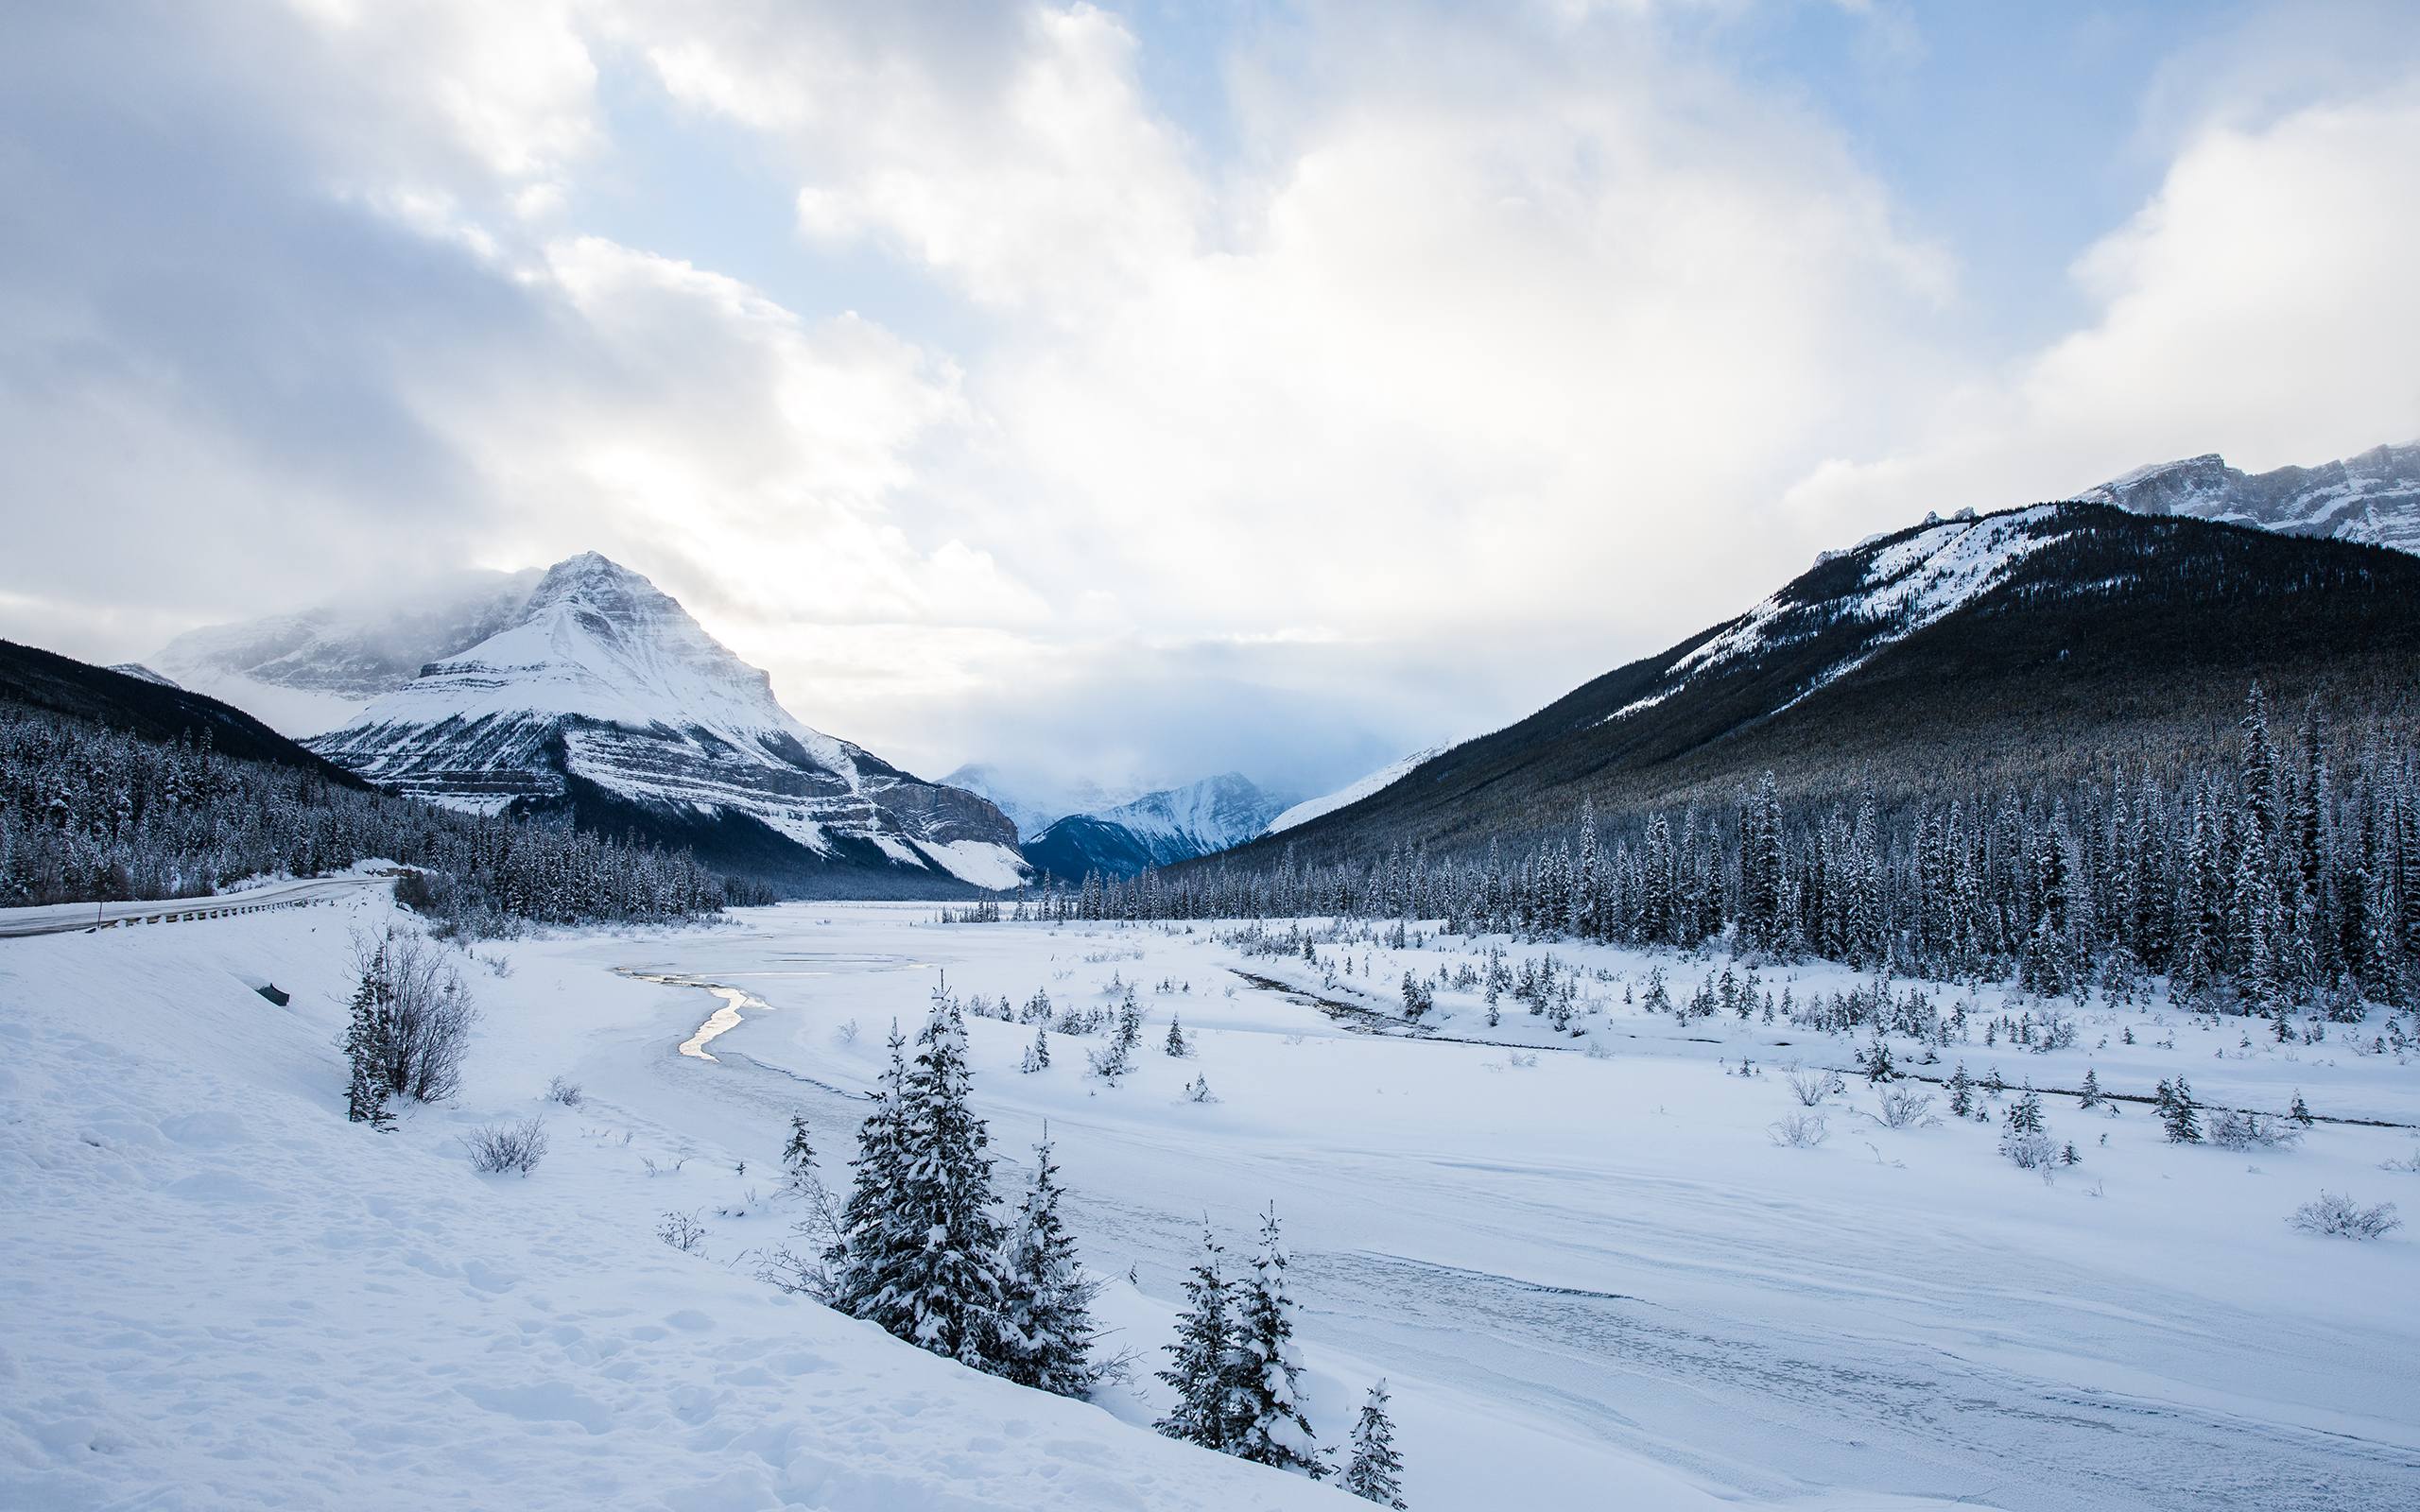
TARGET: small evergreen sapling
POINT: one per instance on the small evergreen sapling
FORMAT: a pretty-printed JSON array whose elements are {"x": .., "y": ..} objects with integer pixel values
[
  {"x": 2090, "y": 1096},
  {"x": 798, "y": 1158},
  {"x": 1037, "y": 1054},
  {"x": 1177, "y": 1045},
  {"x": 1961, "y": 1091},
  {"x": 2180, "y": 1116},
  {"x": 368, "y": 1046},
  {"x": 2300, "y": 1112},
  {"x": 1373, "y": 1472}
]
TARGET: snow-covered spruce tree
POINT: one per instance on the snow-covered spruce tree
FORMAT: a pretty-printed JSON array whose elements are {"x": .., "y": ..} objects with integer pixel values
[
  {"x": 1037, "y": 1054},
  {"x": 367, "y": 1049},
  {"x": 945, "y": 1290},
  {"x": 798, "y": 1156},
  {"x": 1047, "y": 1311},
  {"x": 2090, "y": 1095},
  {"x": 1264, "y": 1377},
  {"x": 2180, "y": 1116},
  {"x": 866, "y": 1261},
  {"x": 1375, "y": 1467},
  {"x": 1961, "y": 1091},
  {"x": 1197, "y": 1362},
  {"x": 1176, "y": 1044}
]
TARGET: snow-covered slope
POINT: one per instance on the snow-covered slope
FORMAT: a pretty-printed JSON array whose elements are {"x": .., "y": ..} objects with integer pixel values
[
  {"x": 1900, "y": 587},
  {"x": 217, "y": 1294},
  {"x": 136, "y": 669},
  {"x": 1156, "y": 830},
  {"x": 602, "y": 691},
  {"x": 2374, "y": 497},
  {"x": 1387, "y": 776},
  {"x": 311, "y": 672}
]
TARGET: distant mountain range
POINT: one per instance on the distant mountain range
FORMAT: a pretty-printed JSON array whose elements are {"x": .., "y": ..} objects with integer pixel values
[
  {"x": 2374, "y": 497},
  {"x": 587, "y": 693},
  {"x": 1156, "y": 830},
  {"x": 1986, "y": 650},
  {"x": 1034, "y": 800}
]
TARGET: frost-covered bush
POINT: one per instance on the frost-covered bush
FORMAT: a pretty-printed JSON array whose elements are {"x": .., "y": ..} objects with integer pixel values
[
  {"x": 2030, "y": 1151},
  {"x": 2334, "y": 1214},
  {"x": 496, "y": 1148},
  {"x": 565, "y": 1093},
  {"x": 1800, "y": 1132},
  {"x": 683, "y": 1231},
  {"x": 1198, "y": 1091},
  {"x": 1811, "y": 1086},
  {"x": 1905, "y": 1107},
  {"x": 2232, "y": 1130}
]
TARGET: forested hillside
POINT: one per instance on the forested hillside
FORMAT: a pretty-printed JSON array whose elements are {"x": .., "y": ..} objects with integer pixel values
[
  {"x": 2042, "y": 645},
  {"x": 108, "y": 792}
]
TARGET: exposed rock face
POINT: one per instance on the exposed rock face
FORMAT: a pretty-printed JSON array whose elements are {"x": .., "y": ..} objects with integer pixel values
[{"x": 2374, "y": 497}]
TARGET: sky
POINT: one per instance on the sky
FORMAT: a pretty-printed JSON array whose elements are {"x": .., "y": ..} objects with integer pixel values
[{"x": 1138, "y": 391}]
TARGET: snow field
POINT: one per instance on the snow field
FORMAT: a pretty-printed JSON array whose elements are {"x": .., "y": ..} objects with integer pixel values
[
  {"x": 217, "y": 1293},
  {"x": 1590, "y": 1279}
]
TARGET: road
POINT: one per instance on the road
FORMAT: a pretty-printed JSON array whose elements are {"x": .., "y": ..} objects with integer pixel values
[{"x": 65, "y": 918}]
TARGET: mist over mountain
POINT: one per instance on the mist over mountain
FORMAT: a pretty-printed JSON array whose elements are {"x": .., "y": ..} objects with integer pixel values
[{"x": 309, "y": 672}]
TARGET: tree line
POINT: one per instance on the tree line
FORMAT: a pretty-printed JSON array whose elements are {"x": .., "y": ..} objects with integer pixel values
[
  {"x": 88, "y": 812},
  {"x": 2286, "y": 877}
]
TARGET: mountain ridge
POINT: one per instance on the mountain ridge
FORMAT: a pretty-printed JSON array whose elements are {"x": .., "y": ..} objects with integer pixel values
[
  {"x": 1954, "y": 651},
  {"x": 2372, "y": 497},
  {"x": 1158, "y": 829}
]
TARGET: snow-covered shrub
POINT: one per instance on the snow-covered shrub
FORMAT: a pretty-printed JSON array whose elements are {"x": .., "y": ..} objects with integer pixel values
[
  {"x": 847, "y": 1033},
  {"x": 1800, "y": 1132},
  {"x": 1905, "y": 1107},
  {"x": 1810, "y": 1086},
  {"x": 1198, "y": 1091},
  {"x": 428, "y": 1013},
  {"x": 683, "y": 1231},
  {"x": 2030, "y": 1152},
  {"x": 499, "y": 1147},
  {"x": 1418, "y": 998},
  {"x": 2331, "y": 1214},
  {"x": 565, "y": 1093},
  {"x": 2409, "y": 1164},
  {"x": 2232, "y": 1130}
]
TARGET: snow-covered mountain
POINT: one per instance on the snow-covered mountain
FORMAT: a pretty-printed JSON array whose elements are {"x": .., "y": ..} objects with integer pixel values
[
  {"x": 1156, "y": 830},
  {"x": 311, "y": 672},
  {"x": 600, "y": 695},
  {"x": 1387, "y": 776},
  {"x": 2374, "y": 497},
  {"x": 1033, "y": 800},
  {"x": 1954, "y": 653},
  {"x": 136, "y": 669}
]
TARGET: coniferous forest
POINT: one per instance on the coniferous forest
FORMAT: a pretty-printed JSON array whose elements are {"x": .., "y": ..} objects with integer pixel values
[
  {"x": 90, "y": 812},
  {"x": 2286, "y": 878}
]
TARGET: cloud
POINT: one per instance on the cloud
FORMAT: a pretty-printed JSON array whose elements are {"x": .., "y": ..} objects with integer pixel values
[
  {"x": 2260, "y": 304},
  {"x": 1385, "y": 375}
]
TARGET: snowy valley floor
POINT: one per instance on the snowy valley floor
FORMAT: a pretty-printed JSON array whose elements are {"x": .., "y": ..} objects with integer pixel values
[{"x": 1591, "y": 1280}]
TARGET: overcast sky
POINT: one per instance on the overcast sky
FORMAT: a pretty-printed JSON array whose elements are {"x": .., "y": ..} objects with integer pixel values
[{"x": 1142, "y": 391}]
